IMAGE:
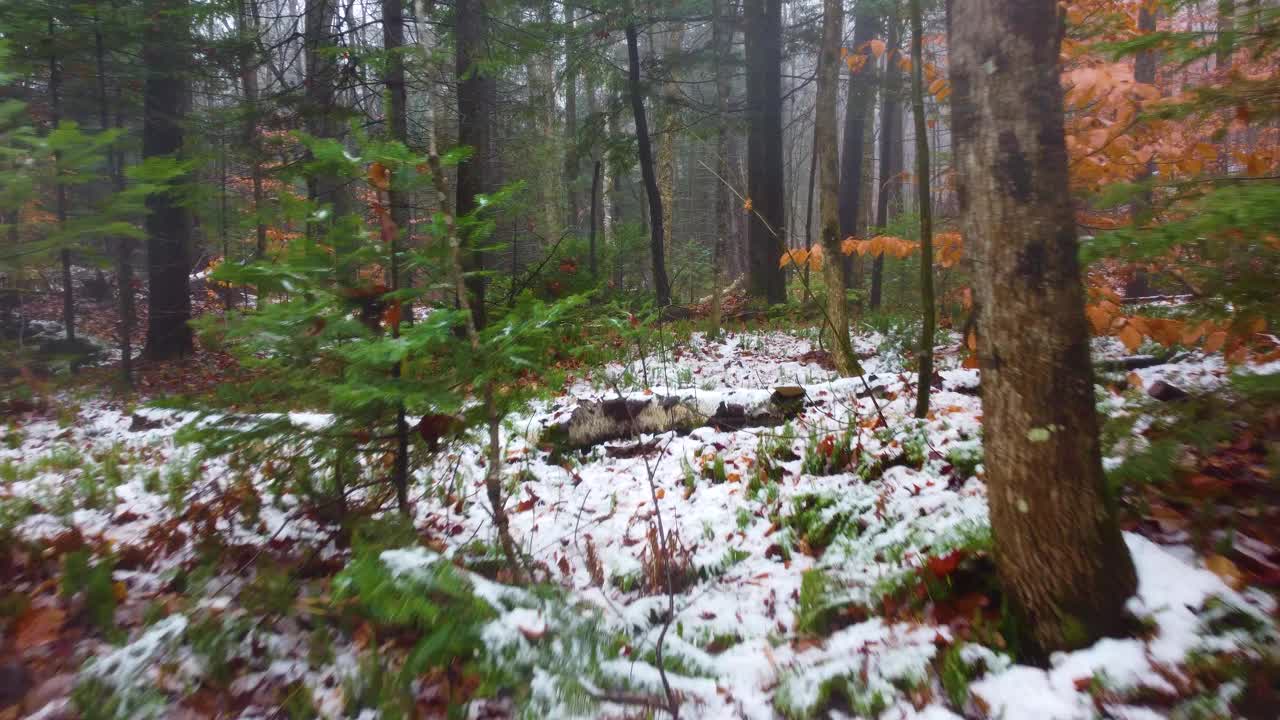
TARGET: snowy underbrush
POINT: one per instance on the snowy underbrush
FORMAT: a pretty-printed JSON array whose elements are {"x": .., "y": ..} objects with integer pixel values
[{"x": 836, "y": 564}]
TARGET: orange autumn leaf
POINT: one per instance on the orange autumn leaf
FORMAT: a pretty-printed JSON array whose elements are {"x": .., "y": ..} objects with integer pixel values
[
  {"x": 1130, "y": 337},
  {"x": 38, "y": 626},
  {"x": 379, "y": 176}
]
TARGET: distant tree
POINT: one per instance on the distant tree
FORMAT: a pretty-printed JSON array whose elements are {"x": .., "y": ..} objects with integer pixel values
[
  {"x": 661, "y": 286},
  {"x": 859, "y": 100},
  {"x": 766, "y": 223},
  {"x": 890, "y": 152},
  {"x": 1059, "y": 553},
  {"x": 477, "y": 100}
]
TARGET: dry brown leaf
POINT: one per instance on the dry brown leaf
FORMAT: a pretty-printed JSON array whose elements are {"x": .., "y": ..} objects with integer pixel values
[{"x": 38, "y": 626}]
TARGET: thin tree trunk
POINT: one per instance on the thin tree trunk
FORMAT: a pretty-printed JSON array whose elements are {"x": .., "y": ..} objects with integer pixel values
[
  {"x": 890, "y": 127},
  {"x": 1144, "y": 71},
  {"x": 925, "y": 357},
  {"x": 808, "y": 205},
  {"x": 59, "y": 189},
  {"x": 595, "y": 218},
  {"x": 168, "y": 223},
  {"x": 249, "y": 64},
  {"x": 1058, "y": 551},
  {"x": 124, "y": 246},
  {"x": 572, "y": 166},
  {"x": 766, "y": 223},
  {"x": 656, "y": 246},
  {"x": 722, "y": 42},
  {"x": 668, "y": 120},
  {"x": 477, "y": 96},
  {"x": 858, "y": 103},
  {"x": 837, "y": 315}
]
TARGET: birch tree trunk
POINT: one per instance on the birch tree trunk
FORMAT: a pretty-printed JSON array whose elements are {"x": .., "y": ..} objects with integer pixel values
[{"x": 1059, "y": 553}]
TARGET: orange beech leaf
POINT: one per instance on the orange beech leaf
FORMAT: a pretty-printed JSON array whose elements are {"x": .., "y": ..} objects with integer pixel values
[
  {"x": 1215, "y": 341},
  {"x": 877, "y": 47},
  {"x": 1130, "y": 337},
  {"x": 379, "y": 176},
  {"x": 1100, "y": 319}
]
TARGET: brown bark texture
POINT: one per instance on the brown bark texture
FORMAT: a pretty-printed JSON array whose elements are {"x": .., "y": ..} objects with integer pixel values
[{"x": 1059, "y": 553}]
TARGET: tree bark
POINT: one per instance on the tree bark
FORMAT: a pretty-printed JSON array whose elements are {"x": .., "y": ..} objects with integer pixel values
[
  {"x": 322, "y": 118},
  {"x": 766, "y": 223},
  {"x": 925, "y": 357},
  {"x": 168, "y": 223},
  {"x": 669, "y": 119},
  {"x": 1059, "y": 554},
  {"x": 661, "y": 287},
  {"x": 824, "y": 146},
  {"x": 595, "y": 219},
  {"x": 124, "y": 245},
  {"x": 857, "y": 105},
  {"x": 477, "y": 98},
  {"x": 249, "y": 85},
  {"x": 397, "y": 98},
  {"x": 572, "y": 165},
  {"x": 59, "y": 189},
  {"x": 722, "y": 44},
  {"x": 890, "y": 155}
]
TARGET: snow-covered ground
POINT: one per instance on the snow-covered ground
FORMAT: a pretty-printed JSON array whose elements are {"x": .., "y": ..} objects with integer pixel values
[{"x": 734, "y": 646}]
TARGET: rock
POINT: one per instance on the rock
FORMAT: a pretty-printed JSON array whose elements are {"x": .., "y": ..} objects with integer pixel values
[{"x": 1165, "y": 392}]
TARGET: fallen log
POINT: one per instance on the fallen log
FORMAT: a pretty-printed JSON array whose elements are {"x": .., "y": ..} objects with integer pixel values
[{"x": 597, "y": 421}]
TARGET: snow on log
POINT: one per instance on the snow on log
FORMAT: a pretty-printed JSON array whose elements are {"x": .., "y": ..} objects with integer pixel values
[{"x": 592, "y": 422}]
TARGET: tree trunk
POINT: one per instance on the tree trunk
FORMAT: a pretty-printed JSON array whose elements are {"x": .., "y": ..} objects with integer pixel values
[
  {"x": 890, "y": 153},
  {"x": 722, "y": 44},
  {"x": 766, "y": 223},
  {"x": 595, "y": 219},
  {"x": 124, "y": 245},
  {"x": 661, "y": 288},
  {"x": 572, "y": 166},
  {"x": 824, "y": 146},
  {"x": 168, "y": 224},
  {"x": 669, "y": 131},
  {"x": 249, "y": 85},
  {"x": 1059, "y": 553},
  {"x": 60, "y": 189},
  {"x": 860, "y": 97},
  {"x": 323, "y": 120},
  {"x": 477, "y": 98},
  {"x": 925, "y": 357},
  {"x": 397, "y": 114},
  {"x": 1144, "y": 71}
]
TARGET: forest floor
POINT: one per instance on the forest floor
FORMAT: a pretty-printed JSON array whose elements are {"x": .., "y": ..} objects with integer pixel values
[{"x": 836, "y": 565}]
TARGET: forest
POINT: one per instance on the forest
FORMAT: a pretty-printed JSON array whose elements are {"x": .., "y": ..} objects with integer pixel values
[{"x": 794, "y": 359}]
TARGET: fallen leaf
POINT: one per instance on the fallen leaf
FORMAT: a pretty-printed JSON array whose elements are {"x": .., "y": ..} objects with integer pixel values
[
  {"x": 1226, "y": 570},
  {"x": 38, "y": 626}
]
